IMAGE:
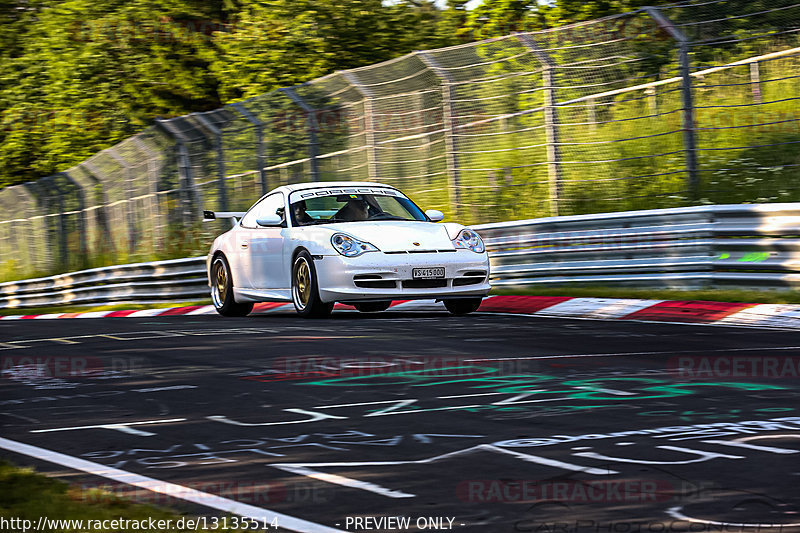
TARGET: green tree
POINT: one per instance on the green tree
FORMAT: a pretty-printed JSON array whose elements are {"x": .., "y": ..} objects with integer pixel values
[
  {"x": 84, "y": 74},
  {"x": 284, "y": 42}
]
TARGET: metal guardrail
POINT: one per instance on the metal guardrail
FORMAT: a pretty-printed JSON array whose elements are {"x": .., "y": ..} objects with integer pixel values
[
  {"x": 745, "y": 246},
  {"x": 178, "y": 279}
]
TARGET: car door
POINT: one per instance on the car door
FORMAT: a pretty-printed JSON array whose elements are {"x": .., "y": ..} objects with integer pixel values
[{"x": 261, "y": 248}]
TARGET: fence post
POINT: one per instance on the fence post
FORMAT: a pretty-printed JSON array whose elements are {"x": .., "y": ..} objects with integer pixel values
[
  {"x": 689, "y": 138},
  {"x": 56, "y": 237},
  {"x": 81, "y": 214},
  {"x": 755, "y": 80},
  {"x": 187, "y": 189},
  {"x": 550, "y": 121},
  {"x": 449, "y": 125},
  {"x": 311, "y": 124},
  {"x": 101, "y": 213},
  {"x": 591, "y": 113},
  {"x": 259, "y": 126},
  {"x": 155, "y": 204},
  {"x": 129, "y": 211},
  {"x": 369, "y": 122},
  {"x": 215, "y": 131},
  {"x": 23, "y": 194}
]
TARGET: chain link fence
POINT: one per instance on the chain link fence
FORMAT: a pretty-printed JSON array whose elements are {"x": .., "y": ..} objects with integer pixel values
[{"x": 682, "y": 105}]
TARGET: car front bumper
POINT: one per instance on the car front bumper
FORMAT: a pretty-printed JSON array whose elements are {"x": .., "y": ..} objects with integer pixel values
[{"x": 337, "y": 276}]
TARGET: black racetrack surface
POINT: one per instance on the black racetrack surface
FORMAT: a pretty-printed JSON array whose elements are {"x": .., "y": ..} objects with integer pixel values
[{"x": 481, "y": 423}]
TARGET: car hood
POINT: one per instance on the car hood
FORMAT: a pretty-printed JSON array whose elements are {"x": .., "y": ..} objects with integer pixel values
[{"x": 397, "y": 236}]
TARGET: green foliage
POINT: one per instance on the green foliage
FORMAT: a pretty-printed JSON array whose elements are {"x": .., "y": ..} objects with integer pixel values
[
  {"x": 79, "y": 76},
  {"x": 28, "y": 495}
]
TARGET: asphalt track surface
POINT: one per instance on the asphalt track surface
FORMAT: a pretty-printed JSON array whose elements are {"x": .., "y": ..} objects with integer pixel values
[{"x": 499, "y": 423}]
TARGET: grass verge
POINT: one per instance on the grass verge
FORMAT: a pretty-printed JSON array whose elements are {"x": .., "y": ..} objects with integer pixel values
[
  {"x": 714, "y": 295},
  {"x": 88, "y": 308},
  {"x": 28, "y": 495}
]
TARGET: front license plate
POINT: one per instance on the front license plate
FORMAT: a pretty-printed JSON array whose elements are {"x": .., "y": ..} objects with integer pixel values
[{"x": 428, "y": 273}]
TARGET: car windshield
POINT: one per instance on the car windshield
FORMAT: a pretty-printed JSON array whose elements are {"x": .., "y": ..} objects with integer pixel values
[{"x": 327, "y": 206}]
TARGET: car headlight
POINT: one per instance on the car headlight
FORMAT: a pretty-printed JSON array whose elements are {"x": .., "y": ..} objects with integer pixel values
[
  {"x": 349, "y": 246},
  {"x": 469, "y": 240}
]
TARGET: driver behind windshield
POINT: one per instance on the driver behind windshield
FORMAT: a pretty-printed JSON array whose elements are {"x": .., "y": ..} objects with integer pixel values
[
  {"x": 301, "y": 218},
  {"x": 354, "y": 210}
]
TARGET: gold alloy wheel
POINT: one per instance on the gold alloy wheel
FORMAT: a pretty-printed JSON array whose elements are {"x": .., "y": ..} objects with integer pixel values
[
  {"x": 302, "y": 279},
  {"x": 220, "y": 283}
]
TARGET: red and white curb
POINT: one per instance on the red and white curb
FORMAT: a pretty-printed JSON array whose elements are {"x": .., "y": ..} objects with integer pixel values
[{"x": 693, "y": 312}]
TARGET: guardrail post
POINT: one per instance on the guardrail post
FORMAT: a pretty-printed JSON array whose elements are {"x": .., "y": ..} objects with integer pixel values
[
  {"x": 689, "y": 138},
  {"x": 188, "y": 191},
  {"x": 313, "y": 127},
  {"x": 129, "y": 212},
  {"x": 369, "y": 122},
  {"x": 449, "y": 124},
  {"x": 550, "y": 121},
  {"x": 215, "y": 131},
  {"x": 259, "y": 126}
]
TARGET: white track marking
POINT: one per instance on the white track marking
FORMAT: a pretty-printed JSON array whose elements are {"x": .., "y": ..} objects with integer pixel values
[
  {"x": 344, "y": 481},
  {"x": 48, "y": 316},
  {"x": 362, "y": 403},
  {"x": 205, "y": 310},
  {"x": 94, "y": 314},
  {"x": 64, "y": 341},
  {"x": 146, "y": 312},
  {"x": 776, "y": 315},
  {"x": 315, "y": 417},
  {"x": 543, "y": 314},
  {"x": 170, "y": 489},
  {"x": 621, "y": 308},
  {"x": 122, "y": 426},
  {"x": 592, "y": 307},
  {"x": 467, "y": 451},
  {"x": 675, "y": 512},
  {"x": 698, "y": 352},
  {"x": 737, "y": 444}
]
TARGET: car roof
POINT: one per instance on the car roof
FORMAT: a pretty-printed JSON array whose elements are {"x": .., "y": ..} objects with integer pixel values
[{"x": 321, "y": 184}]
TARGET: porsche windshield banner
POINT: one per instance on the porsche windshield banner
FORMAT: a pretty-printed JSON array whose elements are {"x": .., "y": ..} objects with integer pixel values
[{"x": 378, "y": 191}]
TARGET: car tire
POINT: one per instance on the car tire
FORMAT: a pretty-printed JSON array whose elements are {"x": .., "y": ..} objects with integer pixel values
[
  {"x": 305, "y": 291},
  {"x": 372, "y": 307},
  {"x": 463, "y": 306},
  {"x": 222, "y": 290}
]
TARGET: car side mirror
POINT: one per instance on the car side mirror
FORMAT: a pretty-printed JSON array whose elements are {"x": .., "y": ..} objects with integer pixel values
[
  {"x": 269, "y": 221},
  {"x": 434, "y": 215}
]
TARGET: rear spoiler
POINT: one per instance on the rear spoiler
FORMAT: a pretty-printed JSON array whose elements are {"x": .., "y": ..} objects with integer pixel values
[{"x": 214, "y": 215}]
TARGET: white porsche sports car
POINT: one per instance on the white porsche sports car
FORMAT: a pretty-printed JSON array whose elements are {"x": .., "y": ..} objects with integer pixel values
[{"x": 363, "y": 244}]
